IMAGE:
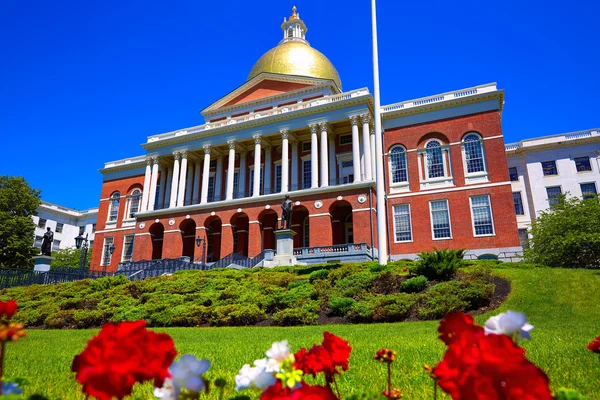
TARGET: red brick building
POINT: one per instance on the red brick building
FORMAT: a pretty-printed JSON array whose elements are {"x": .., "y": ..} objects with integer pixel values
[{"x": 445, "y": 166}]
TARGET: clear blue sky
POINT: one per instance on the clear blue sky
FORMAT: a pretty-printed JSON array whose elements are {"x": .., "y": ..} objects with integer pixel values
[{"x": 85, "y": 82}]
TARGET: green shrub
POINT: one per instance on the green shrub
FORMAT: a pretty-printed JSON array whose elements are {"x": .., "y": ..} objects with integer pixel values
[
  {"x": 61, "y": 319},
  {"x": 363, "y": 310},
  {"x": 439, "y": 264},
  {"x": 237, "y": 315},
  {"x": 414, "y": 285},
  {"x": 394, "y": 307},
  {"x": 445, "y": 297},
  {"x": 295, "y": 316},
  {"x": 191, "y": 315},
  {"x": 88, "y": 318},
  {"x": 297, "y": 283},
  {"x": 318, "y": 274},
  {"x": 298, "y": 295},
  {"x": 386, "y": 283},
  {"x": 353, "y": 284},
  {"x": 341, "y": 305},
  {"x": 102, "y": 284},
  {"x": 127, "y": 314}
]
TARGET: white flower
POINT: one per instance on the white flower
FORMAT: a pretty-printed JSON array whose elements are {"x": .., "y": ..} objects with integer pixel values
[
  {"x": 510, "y": 323},
  {"x": 167, "y": 392},
  {"x": 279, "y": 351},
  {"x": 256, "y": 376},
  {"x": 187, "y": 374}
]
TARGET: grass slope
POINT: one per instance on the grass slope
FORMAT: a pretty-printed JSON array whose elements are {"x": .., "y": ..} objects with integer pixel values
[{"x": 562, "y": 304}]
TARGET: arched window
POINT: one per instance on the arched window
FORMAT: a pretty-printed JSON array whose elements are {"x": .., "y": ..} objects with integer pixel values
[
  {"x": 306, "y": 232},
  {"x": 290, "y": 32},
  {"x": 134, "y": 203},
  {"x": 113, "y": 207},
  {"x": 473, "y": 153},
  {"x": 398, "y": 164},
  {"x": 435, "y": 159}
]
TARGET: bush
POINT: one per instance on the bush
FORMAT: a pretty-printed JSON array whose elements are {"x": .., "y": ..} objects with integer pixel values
[
  {"x": 237, "y": 315},
  {"x": 318, "y": 274},
  {"x": 445, "y": 297},
  {"x": 295, "y": 316},
  {"x": 439, "y": 264},
  {"x": 341, "y": 305},
  {"x": 414, "y": 285},
  {"x": 394, "y": 307},
  {"x": 568, "y": 236}
]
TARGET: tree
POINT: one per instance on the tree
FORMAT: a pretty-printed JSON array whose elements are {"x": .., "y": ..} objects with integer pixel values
[
  {"x": 567, "y": 235},
  {"x": 18, "y": 203},
  {"x": 69, "y": 258}
]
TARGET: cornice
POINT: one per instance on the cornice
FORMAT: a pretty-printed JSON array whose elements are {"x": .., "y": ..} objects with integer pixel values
[
  {"x": 124, "y": 164},
  {"x": 552, "y": 142}
]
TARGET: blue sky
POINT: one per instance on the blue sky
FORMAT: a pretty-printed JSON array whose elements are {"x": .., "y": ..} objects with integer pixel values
[{"x": 85, "y": 82}]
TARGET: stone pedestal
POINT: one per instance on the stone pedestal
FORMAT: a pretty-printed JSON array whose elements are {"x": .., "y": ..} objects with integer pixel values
[
  {"x": 42, "y": 263},
  {"x": 284, "y": 240}
]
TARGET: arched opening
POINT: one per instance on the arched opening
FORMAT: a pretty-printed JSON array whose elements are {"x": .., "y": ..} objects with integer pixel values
[
  {"x": 300, "y": 225},
  {"x": 213, "y": 239},
  {"x": 240, "y": 225},
  {"x": 487, "y": 257},
  {"x": 188, "y": 236},
  {"x": 268, "y": 223},
  {"x": 157, "y": 232},
  {"x": 342, "y": 229}
]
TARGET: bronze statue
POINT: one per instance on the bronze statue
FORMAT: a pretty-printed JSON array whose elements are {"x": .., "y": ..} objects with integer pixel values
[
  {"x": 286, "y": 213},
  {"x": 47, "y": 243}
]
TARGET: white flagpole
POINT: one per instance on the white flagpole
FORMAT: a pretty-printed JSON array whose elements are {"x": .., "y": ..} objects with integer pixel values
[{"x": 379, "y": 165}]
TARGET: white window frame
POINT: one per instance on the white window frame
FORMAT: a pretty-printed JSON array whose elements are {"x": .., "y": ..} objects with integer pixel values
[
  {"x": 106, "y": 251},
  {"x": 403, "y": 186},
  {"x": 522, "y": 204},
  {"x": 277, "y": 182},
  {"x": 449, "y": 220},
  {"x": 583, "y": 156},
  {"x": 555, "y": 167},
  {"x": 303, "y": 160},
  {"x": 409, "y": 222},
  {"x": 62, "y": 226},
  {"x": 130, "y": 199},
  {"x": 474, "y": 177},
  {"x": 491, "y": 215},
  {"x": 344, "y": 135},
  {"x": 548, "y": 197},
  {"x": 587, "y": 183},
  {"x": 341, "y": 158},
  {"x": 447, "y": 179},
  {"x": 110, "y": 208},
  {"x": 45, "y": 223},
  {"x": 304, "y": 145},
  {"x": 125, "y": 246}
]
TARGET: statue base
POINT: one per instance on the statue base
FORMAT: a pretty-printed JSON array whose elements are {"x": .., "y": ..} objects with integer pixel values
[
  {"x": 42, "y": 263},
  {"x": 285, "y": 250}
]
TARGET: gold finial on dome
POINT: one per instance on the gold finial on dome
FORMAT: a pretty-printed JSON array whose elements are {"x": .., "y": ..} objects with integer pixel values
[{"x": 294, "y": 15}]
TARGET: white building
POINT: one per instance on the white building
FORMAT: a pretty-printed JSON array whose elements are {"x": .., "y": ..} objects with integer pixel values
[
  {"x": 544, "y": 167},
  {"x": 66, "y": 224}
]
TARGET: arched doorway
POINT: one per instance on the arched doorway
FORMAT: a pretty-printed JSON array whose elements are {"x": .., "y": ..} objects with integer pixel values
[
  {"x": 239, "y": 226},
  {"x": 342, "y": 229},
  {"x": 213, "y": 239},
  {"x": 268, "y": 223},
  {"x": 157, "y": 233},
  {"x": 300, "y": 225},
  {"x": 188, "y": 235}
]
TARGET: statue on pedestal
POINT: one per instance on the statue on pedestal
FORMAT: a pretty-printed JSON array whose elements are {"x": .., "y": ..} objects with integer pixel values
[
  {"x": 47, "y": 243},
  {"x": 286, "y": 213}
]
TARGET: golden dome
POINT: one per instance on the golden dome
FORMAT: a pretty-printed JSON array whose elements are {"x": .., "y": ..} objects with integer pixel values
[{"x": 296, "y": 58}]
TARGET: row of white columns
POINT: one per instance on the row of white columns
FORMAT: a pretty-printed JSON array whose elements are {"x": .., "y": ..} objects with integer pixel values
[{"x": 178, "y": 182}]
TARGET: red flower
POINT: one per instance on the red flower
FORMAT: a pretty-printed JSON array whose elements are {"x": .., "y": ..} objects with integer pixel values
[
  {"x": 304, "y": 392},
  {"x": 594, "y": 345},
  {"x": 121, "y": 355},
  {"x": 334, "y": 352},
  {"x": 338, "y": 348},
  {"x": 8, "y": 308},
  {"x": 479, "y": 366}
]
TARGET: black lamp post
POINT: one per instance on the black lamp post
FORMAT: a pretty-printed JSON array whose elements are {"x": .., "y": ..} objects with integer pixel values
[
  {"x": 82, "y": 243},
  {"x": 199, "y": 241}
]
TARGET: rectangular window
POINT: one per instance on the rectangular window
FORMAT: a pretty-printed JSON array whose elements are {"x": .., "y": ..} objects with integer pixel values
[
  {"x": 518, "y": 203},
  {"x": 523, "y": 238},
  {"x": 236, "y": 185},
  {"x": 81, "y": 230},
  {"x": 306, "y": 147},
  {"x": 512, "y": 173},
  {"x": 440, "y": 219},
  {"x": 91, "y": 244},
  {"x": 59, "y": 227},
  {"x": 402, "y": 226},
  {"x": 38, "y": 241},
  {"x": 553, "y": 193},
  {"x": 482, "y": 215},
  {"x": 549, "y": 168},
  {"x": 211, "y": 188},
  {"x": 277, "y": 178},
  {"x": 93, "y": 228},
  {"x": 213, "y": 164},
  {"x": 588, "y": 190},
  {"x": 106, "y": 256},
  {"x": 583, "y": 164},
  {"x": 55, "y": 245},
  {"x": 127, "y": 248},
  {"x": 42, "y": 223},
  {"x": 306, "y": 174},
  {"x": 260, "y": 185},
  {"x": 345, "y": 139}
]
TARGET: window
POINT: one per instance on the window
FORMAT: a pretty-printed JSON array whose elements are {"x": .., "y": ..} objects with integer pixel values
[
  {"x": 345, "y": 139},
  {"x": 290, "y": 32},
  {"x": 473, "y": 153},
  {"x": 93, "y": 228},
  {"x": 583, "y": 164},
  {"x": 42, "y": 223},
  {"x": 106, "y": 256},
  {"x": 398, "y": 164},
  {"x": 55, "y": 245},
  {"x": 236, "y": 184},
  {"x": 549, "y": 168},
  {"x": 277, "y": 178},
  {"x": 306, "y": 232},
  {"x": 211, "y": 188},
  {"x": 440, "y": 219},
  {"x": 260, "y": 185},
  {"x": 127, "y": 248},
  {"x": 518, "y": 203},
  {"x": 588, "y": 190},
  {"x": 402, "y": 226},
  {"x": 38, "y": 241},
  {"x": 213, "y": 164},
  {"x": 81, "y": 230},
  {"x": 134, "y": 203},
  {"x": 306, "y": 147},
  {"x": 113, "y": 207},
  {"x": 306, "y": 174},
  {"x": 512, "y": 173},
  {"x": 482, "y": 215},
  {"x": 435, "y": 160},
  {"x": 553, "y": 193},
  {"x": 91, "y": 244},
  {"x": 523, "y": 238},
  {"x": 59, "y": 227}
]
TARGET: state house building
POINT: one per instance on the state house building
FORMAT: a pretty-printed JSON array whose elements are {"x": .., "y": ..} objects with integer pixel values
[{"x": 292, "y": 129}]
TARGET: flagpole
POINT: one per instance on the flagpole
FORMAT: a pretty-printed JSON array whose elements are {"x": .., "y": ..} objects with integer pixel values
[{"x": 379, "y": 165}]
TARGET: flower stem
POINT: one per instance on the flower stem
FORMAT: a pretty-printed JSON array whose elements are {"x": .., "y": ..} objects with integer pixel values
[
  {"x": 389, "y": 380},
  {"x": 434, "y": 389},
  {"x": 337, "y": 389}
]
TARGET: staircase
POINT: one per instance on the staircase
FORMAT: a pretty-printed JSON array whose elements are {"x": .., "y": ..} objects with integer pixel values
[{"x": 238, "y": 259}]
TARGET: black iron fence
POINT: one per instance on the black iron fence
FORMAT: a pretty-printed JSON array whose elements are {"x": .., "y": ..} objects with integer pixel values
[{"x": 10, "y": 277}]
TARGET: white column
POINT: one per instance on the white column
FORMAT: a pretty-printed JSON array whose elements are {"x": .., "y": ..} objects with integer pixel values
[
  {"x": 196, "y": 189},
  {"x": 355, "y": 148},
  {"x": 190, "y": 184},
  {"x": 314, "y": 156},
  {"x": 294, "y": 180},
  {"x": 256, "y": 183},
  {"x": 332, "y": 167},
  {"x": 324, "y": 156},
  {"x": 242, "y": 177},
  {"x": 153, "y": 182},
  {"x": 365, "y": 118},
  {"x": 163, "y": 186},
  {"x": 168, "y": 187},
  {"x": 267, "y": 182},
  {"x": 182, "y": 179},
  {"x": 219, "y": 179},
  {"x": 175, "y": 180},
  {"x": 205, "y": 175},
  {"x": 230, "y": 169},
  {"x": 146, "y": 192},
  {"x": 372, "y": 142},
  {"x": 285, "y": 166}
]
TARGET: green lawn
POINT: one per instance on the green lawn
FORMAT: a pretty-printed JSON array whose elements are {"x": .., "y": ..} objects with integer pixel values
[{"x": 562, "y": 304}]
